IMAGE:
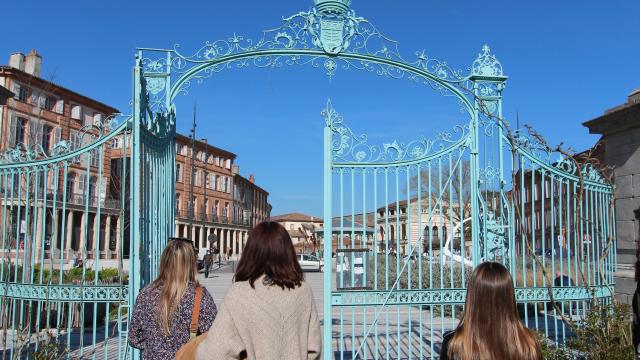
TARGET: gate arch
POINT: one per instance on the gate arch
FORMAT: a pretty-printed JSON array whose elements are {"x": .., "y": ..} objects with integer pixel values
[{"x": 459, "y": 181}]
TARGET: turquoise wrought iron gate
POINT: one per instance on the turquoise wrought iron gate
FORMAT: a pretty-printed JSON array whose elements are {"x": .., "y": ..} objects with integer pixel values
[
  {"x": 407, "y": 222},
  {"x": 65, "y": 243}
]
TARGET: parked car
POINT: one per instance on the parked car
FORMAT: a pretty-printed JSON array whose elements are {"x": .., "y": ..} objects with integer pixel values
[{"x": 310, "y": 263}]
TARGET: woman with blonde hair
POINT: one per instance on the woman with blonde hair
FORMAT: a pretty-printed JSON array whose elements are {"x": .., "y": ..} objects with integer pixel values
[
  {"x": 490, "y": 327},
  {"x": 269, "y": 312},
  {"x": 163, "y": 312}
]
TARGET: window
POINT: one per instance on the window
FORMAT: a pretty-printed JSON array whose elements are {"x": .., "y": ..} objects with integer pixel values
[
  {"x": 117, "y": 143},
  {"x": 216, "y": 207},
  {"x": 21, "y": 130},
  {"x": 22, "y": 92},
  {"x": 184, "y": 151},
  {"x": 198, "y": 178},
  {"x": 97, "y": 118},
  {"x": 216, "y": 183},
  {"x": 179, "y": 172},
  {"x": 47, "y": 137},
  {"x": 76, "y": 112},
  {"x": 535, "y": 192},
  {"x": 49, "y": 103},
  {"x": 95, "y": 157},
  {"x": 228, "y": 164},
  {"x": 60, "y": 106},
  {"x": 178, "y": 202}
]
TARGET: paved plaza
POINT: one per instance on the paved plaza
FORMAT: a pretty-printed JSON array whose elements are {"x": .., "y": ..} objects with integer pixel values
[{"x": 398, "y": 332}]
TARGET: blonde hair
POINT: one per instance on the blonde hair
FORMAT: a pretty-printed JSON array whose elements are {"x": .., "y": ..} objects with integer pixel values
[
  {"x": 177, "y": 269},
  {"x": 490, "y": 327}
]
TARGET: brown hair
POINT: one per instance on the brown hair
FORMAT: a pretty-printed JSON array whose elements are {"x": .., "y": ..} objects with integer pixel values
[
  {"x": 269, "y": 251},
  {"x": 177, "y": 270},
  {"x": 490, "y": 327}
]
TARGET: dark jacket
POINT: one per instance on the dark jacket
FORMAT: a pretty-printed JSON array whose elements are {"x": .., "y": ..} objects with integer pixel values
[{"x": 446, "y": 338}]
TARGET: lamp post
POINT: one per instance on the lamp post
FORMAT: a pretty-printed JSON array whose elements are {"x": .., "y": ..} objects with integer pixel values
[
  {"x": 193, "y": 169},
  {"x": 206, "y": 179}
]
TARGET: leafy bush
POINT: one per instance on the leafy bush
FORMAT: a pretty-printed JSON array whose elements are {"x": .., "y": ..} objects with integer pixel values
[
  {"x": 604, "y": 334},
  {"x": 48, "y": 351}
]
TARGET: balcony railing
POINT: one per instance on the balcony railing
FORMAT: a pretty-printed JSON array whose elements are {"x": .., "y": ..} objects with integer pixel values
[{"x": 210, "y": 218}]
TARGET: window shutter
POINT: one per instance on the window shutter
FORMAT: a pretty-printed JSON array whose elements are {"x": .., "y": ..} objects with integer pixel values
[
  {"x": 80, "y": 186},
  {"x": 12, "y": 131},
  {"x": 103, "y": 192},
  {"x": 32, "y": 133},
  {"x": 60, "y": 106},
  {"x": 57, "y": 136},
  {"x": 16, "y": 91}
]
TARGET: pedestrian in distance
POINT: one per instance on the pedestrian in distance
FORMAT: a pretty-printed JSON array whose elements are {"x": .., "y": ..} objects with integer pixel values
[
  {"x": 163, "y": 317},
  {"x": 490, "y": 327},
  {"x": 269, "y": 312},
  {"x": 208, "y": 262}
]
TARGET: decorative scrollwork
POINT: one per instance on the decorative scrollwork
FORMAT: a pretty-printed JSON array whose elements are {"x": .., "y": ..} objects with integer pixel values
[
  {"x": 88, "y": 134},
  {"x": 329, "y": 35},
  {"x": 348, "y": 147},
  {"x": 486, "y": 64}
]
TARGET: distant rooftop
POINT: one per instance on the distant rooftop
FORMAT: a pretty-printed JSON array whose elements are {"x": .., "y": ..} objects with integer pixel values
[{"x": 296, "y": 217}]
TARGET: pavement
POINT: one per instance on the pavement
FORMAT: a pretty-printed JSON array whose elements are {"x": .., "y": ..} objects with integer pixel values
[{"x": 401, "y": 332}]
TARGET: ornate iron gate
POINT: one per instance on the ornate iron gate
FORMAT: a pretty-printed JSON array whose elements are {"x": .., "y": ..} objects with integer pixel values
[
  {"x": 65, "y": 243},
  {"x": 407, "y": 222}
]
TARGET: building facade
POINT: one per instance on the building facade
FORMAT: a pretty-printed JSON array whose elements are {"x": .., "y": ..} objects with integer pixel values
[
  {"x": 620, "y": 130},
  {"x": 38, "y": 114},
  {"x": 302, "y": 229}
]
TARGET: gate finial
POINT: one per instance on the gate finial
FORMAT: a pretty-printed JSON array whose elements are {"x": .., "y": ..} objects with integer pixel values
[{"x": 332, "y": 6}]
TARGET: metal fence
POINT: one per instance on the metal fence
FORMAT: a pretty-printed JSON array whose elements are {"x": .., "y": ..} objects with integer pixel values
[{"x": 63, "y": 273}]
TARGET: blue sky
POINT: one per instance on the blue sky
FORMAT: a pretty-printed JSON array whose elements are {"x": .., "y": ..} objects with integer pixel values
[{"x": 567, "y": 62}]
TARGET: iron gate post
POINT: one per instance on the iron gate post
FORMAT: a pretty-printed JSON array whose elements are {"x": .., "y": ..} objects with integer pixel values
[{"x": 328, "y": 245}]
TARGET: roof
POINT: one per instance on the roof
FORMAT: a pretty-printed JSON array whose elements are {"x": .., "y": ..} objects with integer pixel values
[
  {"x": 238, "y": 176},
  {"x": 346, "y": 226},
  {"x": 296, "y": 217},
  {"x": 25, "y": 76},
  {"x": 202, "y": 144},
  {"x": 5, "y": 94},
  {"x": 619, "y": 119}
]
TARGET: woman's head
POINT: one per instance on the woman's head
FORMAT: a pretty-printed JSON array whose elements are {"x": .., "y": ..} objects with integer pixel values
[
  {"x": 269, "y": 251},
  {"x": 177, "y": 269},
  {"x": 491, "y": 328}
]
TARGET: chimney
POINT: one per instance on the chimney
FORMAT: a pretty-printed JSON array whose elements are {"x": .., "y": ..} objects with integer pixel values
[
  {"x": 252, "y": 179},
  {"x": 16, "y": 61},
  {"x": 33, "y": 63},
  {"x": 235, "y": 170}
]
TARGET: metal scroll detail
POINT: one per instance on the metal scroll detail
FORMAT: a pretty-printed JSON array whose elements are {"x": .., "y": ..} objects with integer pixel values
[
  {"x": 348, "y": 146},
  {"x": 329, "y": 36},
  {"x": 88, "y": 135}
]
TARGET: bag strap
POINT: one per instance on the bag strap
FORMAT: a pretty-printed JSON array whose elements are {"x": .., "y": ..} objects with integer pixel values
[{"x": 193, "y": 328}]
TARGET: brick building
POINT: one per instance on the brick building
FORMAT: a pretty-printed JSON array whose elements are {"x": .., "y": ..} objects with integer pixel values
[
  {"x": 40, "y": 115},
  {"x": 37, "y": 113}
]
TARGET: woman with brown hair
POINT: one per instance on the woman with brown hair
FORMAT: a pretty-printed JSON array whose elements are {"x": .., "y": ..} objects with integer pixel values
[
  {"x": 162, "y": 315},
  {"x": 490, "y": 327},
  {"x": 269, "y": 312}
]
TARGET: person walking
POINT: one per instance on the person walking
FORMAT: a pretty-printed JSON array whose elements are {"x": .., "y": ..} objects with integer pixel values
[
  {"x": 163, "y": 310},
  {"x": 490, "y": 327},
  {"x": 269, "y": 312},
  {"x": 208, "y": 262}
]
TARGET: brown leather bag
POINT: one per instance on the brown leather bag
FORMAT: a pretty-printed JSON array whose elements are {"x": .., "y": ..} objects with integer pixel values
[{"x": 188, "y": 350}]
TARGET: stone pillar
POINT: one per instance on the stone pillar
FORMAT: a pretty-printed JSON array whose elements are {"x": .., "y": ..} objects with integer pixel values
[
  {"x": 95, "y": 235},
  {"x": 118, "y": 238},
  {"x": 233, "y": 242},
  {"x": 83, "y": 233},
  {"x": 69, "y": 234},
  {"x": 185, "y": 231},
  {"x": 202, "y": 239},
  {"x": 107, "y": 237},
  {"x": 206, "y": 237},
  {"x": 39, "y": 229}
]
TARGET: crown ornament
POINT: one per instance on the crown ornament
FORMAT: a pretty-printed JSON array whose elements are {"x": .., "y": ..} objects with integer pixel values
[{"x": 332, "y": 7}]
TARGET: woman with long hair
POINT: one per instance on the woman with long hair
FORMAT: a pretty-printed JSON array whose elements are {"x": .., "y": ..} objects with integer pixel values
[
  {"x": 490, "y": 327},
  {"x": 163, "y": 311},
  {"x": 269, "y": 312}
]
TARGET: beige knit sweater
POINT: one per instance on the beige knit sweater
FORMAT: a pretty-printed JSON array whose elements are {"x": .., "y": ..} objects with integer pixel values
[{"x": 267, "y": 323}]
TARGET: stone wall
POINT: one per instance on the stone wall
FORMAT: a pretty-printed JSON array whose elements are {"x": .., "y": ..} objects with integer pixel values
[{"x": 620, "y": 128}]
